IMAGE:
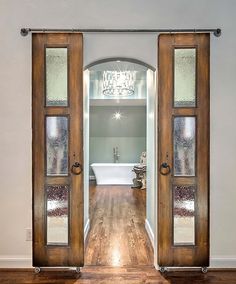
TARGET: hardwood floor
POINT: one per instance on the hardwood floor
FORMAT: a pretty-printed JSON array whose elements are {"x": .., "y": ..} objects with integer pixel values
[
  {"x": 117, "y": 236},
  {"x": 123, "y": 275}
]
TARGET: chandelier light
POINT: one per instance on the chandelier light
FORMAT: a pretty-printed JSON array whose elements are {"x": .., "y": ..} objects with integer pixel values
[{"x": 118, "y": 83}]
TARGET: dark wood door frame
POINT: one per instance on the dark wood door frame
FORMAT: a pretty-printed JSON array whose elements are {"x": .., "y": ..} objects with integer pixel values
[
  {"x": 71, "y": 254},
  {"x": 170, "y": 255}
]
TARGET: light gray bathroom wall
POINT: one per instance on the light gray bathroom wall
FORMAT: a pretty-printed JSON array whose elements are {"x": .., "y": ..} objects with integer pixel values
[
  {"x": 15, "y": 98},
  {"x": 131, "y": 124},
  {"x": 130, "y": 149},
  {"x": 128, "y": 133}
]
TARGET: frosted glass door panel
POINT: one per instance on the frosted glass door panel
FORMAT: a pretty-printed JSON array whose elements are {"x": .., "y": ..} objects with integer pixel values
[
  {"x": 57, "y": 215},
  {"x": 184, "y": 211},
  {"x": 184, "y": 146},
  {"x": 185, "y": 77},
  {"x": 56, "y": 77},
  {"x": 57, "y": 145}
]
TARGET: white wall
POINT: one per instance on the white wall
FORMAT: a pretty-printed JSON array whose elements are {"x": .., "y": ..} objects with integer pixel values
[
  {"x": 151, "y": 193},
  {"x": 86, "y": 153},
  {"x": 15, "y": 92}
]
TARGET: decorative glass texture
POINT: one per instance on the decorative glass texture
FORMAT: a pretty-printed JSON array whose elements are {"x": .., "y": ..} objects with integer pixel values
[
  {"x": 185, "y": 77},
  {"x": 56, "y": 77},
  {"x": 57, "y": 145},
  {"x": 57, "y": 214},
  {"x": 184, "y": 146},
  {"x": 184, "y": 215}
]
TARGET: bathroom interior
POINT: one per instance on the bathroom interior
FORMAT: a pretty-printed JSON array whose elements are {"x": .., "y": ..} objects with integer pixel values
[{"x": 119, "y": 172}]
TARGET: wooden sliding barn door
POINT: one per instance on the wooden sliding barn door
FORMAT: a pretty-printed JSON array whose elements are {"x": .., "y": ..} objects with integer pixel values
[
  {"x": 57, "y": 100},
  {"x": 183, "y": 199}
]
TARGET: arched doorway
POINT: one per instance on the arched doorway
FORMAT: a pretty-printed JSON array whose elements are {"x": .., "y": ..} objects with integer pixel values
[{"x": 119, "y": 127}]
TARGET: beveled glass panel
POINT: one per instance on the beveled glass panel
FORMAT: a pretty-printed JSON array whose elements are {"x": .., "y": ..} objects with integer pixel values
[
  {"x": 184, "y": 215},
  {"x": 57, "y": 145},
  {"x": 184, "y": 146},
  {"x": 185, "y": 77},
  {"x": 57, "y": 214},
  {"x": 56, "y": 77}
]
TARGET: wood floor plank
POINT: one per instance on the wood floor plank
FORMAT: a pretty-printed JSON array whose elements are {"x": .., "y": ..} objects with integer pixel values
[
  {"x": 126, "y": 275},
  {"x": 117, "y": 234},
  {"x": 117, "y": 237}
]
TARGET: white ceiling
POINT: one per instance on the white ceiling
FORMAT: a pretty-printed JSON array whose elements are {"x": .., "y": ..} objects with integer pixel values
[{"x": 118, "y": 66}]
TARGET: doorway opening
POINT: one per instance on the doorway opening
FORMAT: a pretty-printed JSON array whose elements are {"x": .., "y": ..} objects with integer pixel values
[{"x": 119, "y": 169}]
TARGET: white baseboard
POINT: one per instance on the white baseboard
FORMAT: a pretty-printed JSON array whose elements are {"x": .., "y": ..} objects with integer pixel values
[
  {"x": 223, "y": 261},
  {"x": 15, "y": 261},
  {"x": 149, "y": 232},
  {"x": 86, "y": 229}
]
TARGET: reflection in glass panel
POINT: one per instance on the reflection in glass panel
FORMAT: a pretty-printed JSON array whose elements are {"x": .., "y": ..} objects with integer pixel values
[
  {"x": 184, "y": 211},
  {"x": 57, "y": 214},
  {"x": 57, "y": 145},
  {"x": 56, "y": 76},
  {"x": 185, "y": 77},
  {"x": 184, "y": 146}
]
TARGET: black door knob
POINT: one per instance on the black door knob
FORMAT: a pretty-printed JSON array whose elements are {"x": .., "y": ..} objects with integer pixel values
[
  {"x": 164, "y": 169},
  {"x": 76, "y": 168}
]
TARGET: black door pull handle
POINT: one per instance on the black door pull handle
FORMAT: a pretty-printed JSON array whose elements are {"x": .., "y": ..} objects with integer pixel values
[
  {"x": 76, "y": 168},
  {"x": 164, "y": 169}
]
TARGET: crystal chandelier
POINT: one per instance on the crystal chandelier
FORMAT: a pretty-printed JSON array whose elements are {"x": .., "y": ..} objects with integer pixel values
[{"x": 118, "y": 83}]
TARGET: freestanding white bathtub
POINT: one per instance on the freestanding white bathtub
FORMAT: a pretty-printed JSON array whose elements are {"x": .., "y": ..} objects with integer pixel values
[{"x": 113, "y": 173}]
